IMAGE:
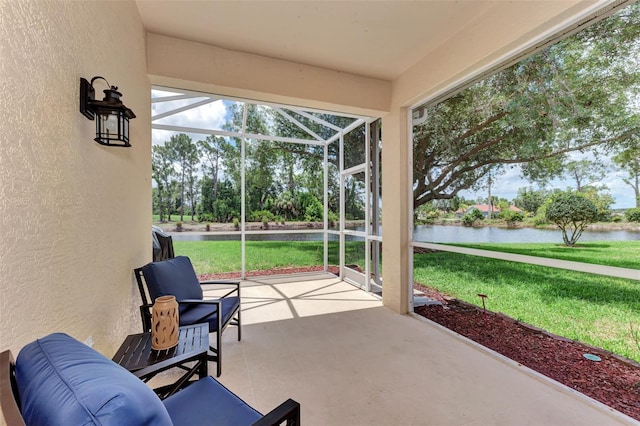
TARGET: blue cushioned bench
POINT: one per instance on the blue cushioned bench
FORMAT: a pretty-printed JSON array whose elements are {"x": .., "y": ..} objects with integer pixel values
[{"x": 58, "y": 380}]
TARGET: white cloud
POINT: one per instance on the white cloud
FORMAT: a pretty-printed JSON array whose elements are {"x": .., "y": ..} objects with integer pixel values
[{"x": 211, "y": 116}]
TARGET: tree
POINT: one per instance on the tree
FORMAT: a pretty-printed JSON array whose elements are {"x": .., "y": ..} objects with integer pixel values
[
  {"x": 286, "y": 206},
  {"x": 584, "y": 172},
  {"x": 628, "y": 159},
  {"x": 572, "y": 96},
  {"x": 530, "y": 199},
  {"x": 572, "y": 213},
  {"x": 211, "y": 151},
  {"x": 162, "y": 171},
  {"x": 260, "y": 158},
  {"x": 503, "y": 204},
  {"x": 602, "y": 199},
  {"x": 193, "y": 184},
  {"x": 185, "y": 156},
  {"x": 632, "y": 215}
]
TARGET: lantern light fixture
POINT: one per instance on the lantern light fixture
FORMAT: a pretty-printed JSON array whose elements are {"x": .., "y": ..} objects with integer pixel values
[{"x": 111, "y": 115}]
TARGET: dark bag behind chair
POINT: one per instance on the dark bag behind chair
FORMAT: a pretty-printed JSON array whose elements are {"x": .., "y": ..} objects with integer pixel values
[{"x": 162, "y": 244}]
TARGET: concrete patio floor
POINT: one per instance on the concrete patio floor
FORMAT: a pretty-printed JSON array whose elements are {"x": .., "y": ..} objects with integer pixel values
[{"x": 350, "y": 361}]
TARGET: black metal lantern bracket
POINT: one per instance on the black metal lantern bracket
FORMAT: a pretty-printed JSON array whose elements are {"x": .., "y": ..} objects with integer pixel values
[{"x": 111, "y": 115}]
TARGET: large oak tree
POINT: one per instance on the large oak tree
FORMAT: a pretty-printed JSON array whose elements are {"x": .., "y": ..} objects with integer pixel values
[{"x": 578, "y": 94}]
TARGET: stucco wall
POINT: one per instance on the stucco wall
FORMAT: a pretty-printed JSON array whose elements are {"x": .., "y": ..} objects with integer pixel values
[
  {"x": 74, "y": 216},
  {"x": 196, "y": 66}
]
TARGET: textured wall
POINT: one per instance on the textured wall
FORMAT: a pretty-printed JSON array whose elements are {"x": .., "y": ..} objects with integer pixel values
[
  {"x": 199, "y": 66},
  {"x": 74, "y": 216}
]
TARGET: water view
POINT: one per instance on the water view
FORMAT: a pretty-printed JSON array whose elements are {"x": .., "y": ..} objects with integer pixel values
[
  {"x": 489, "y": 234},
  {"x": 441, "y": 234}
]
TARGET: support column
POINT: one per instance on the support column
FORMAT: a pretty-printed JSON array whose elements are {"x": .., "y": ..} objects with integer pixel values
[{"x": 395, "y": 210}]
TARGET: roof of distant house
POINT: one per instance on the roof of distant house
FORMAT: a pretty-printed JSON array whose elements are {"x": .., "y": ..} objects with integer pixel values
[{"x": 484, "y": 208}]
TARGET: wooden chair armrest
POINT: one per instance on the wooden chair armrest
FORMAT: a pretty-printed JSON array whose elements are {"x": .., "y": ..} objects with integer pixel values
[{"x": 288, "y": 411}]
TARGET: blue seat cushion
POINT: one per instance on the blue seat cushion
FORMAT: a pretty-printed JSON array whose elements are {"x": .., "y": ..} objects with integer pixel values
[
  {"x": 200, "y": 313},
  {"x": 208, "y": 402},
  {"x": 174, "y": 276},
  {"x": 64, "y": 382}
]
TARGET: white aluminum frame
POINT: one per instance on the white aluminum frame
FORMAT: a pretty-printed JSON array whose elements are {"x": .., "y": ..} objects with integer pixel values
[{"x": 190, "y": 100}]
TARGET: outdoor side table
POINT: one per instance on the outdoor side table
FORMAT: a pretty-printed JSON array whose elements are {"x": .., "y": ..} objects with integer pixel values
[{"x": 135, "y": 354}]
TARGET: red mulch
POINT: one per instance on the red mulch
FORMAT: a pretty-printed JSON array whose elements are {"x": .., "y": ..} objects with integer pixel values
[
  {"x": 614, "y": 381},
  {"x": 275, "y": 271}
]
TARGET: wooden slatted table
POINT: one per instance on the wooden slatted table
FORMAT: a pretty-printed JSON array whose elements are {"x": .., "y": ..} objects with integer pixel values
[{"x": 135, "y": 354}]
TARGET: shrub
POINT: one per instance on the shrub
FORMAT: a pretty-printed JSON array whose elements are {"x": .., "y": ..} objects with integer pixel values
[
  {"x": 236, "y": 223},
  {"x": 333, "y": 218},
  {"x": 468, "y": 219},
  {"x": 206, "y": 217},
  {"x": 632, "y": 215},
  {"x": 179, "y": 226},
  {"x": 510, "y": 216},
  {"x": 431, "y": 216},
  {"x": 313, "y": 211},
  {"x": 259, "y": 215},
  {"x": 476, "y": 214},
  {"x": 571, "y": 212},
  {"x": 540, "y": 218}
]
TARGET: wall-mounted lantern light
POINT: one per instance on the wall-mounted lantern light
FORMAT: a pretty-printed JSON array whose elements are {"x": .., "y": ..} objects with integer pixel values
[{"x": 111, "y": 115}]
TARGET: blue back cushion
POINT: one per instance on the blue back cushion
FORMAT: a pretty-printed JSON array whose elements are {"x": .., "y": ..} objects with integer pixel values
[
  {"x": 64, "y": 382},
  {"x": 175, "y": 277}
]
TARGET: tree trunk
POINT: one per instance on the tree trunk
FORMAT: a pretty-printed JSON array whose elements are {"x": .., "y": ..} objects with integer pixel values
[
  {"x": 182, "y": 198},
  {"x": 636, "y": 189}
]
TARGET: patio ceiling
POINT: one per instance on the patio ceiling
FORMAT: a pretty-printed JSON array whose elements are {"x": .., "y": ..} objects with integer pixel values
[{"x": 380, "y": 39}]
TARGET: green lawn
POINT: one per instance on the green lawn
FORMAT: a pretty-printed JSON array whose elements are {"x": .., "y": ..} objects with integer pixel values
[
  {"x": 593, "y": 309},
  {"x": 623, "y": 254},
  {"x": 225, "y": 256},
  {"x": 589, "y": 308}
]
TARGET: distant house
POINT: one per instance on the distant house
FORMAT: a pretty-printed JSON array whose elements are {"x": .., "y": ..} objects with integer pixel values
[
  {"x": 516, "y": 209},
  {"x": 484, "y": 209}
]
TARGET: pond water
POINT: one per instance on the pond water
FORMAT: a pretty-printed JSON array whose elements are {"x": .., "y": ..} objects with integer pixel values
[
  {"x": 441, "y": 234},
  {"x": 305, "y": 236},
  {"x": 488, "y": 234}
]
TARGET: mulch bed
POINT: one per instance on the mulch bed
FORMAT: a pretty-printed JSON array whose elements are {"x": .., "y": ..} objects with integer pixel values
[
  {"x": 275, "y": 271},
  {"x": 614, "y": 381}
]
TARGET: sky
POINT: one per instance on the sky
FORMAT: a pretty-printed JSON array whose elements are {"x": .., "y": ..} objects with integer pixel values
[{"x": 211, "y": 116}]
